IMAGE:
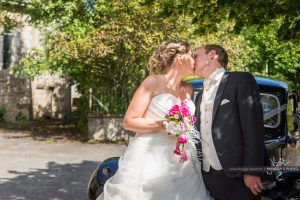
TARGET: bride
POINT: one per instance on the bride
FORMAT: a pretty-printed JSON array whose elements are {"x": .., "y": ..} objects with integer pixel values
[{"x": 149, "y": 170}]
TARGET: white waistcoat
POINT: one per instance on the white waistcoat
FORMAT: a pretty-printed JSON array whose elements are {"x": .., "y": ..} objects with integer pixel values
[{"x": 210, "y": 157}]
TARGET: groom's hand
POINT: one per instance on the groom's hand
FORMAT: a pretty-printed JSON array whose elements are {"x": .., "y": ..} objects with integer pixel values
[{"x": 253, "y": 183}]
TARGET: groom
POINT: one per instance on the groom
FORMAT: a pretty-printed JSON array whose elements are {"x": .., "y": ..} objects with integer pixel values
[{"x": 231, "y": 126}]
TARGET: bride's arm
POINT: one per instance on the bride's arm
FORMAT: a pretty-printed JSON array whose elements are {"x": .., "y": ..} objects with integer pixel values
[
  {"x": 133, "y": 119},
  {"x": 188, "y": 89}
]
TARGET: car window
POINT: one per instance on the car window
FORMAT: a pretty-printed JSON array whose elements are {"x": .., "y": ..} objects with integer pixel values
[{"x": 271, "y": 109}]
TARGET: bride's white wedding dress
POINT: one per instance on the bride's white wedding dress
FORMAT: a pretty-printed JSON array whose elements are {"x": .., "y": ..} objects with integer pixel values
[{"x": 149, "y": 170}]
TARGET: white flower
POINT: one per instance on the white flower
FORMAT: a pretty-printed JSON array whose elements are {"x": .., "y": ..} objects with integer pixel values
[
  {"x": 179, "y": 128},
  {"x": 171, "y": 128},
  {"x": 176, "y": 116}
]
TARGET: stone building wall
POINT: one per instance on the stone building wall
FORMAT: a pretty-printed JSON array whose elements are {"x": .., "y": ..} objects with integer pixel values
[
  {"x": 47, "y": 96},
  {"x": 107, "y": 129},
  {"x": 15, "y": 91},
  {"x": 51, "y": 97},
  {"x": 15, "y": 97}
]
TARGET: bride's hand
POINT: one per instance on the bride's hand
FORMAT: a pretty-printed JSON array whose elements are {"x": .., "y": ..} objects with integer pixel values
[
  {"x": 165, "y": 125},
  {"x": 169, "y": 127},
  {"x": 188, "y": 62}
]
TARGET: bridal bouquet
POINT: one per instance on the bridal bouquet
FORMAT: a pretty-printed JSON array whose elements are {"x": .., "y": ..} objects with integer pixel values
[{"x": 181, "y": 121}]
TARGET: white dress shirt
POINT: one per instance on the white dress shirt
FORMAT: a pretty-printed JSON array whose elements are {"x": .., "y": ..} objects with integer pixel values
[{"x": 210, "y": 87}]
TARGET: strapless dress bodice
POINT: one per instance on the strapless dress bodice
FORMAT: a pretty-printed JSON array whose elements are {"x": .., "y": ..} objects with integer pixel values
[{"x": 160, "y": 104}]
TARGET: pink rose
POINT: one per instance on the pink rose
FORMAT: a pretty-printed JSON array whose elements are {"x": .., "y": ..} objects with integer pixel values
[
  {"x": 184, "y": 109},
  {"x": 183, "y": 158},
  {"x": 175, "y": 109},
  {"x": 183, "y": 104},
  {"x": 182, "y": 139},
  {"x": 184, "y": 112},
  {"x": 177, "y": 150},
  {"x": 169, "y": 113},
  {"x": 193, "y": 119}
]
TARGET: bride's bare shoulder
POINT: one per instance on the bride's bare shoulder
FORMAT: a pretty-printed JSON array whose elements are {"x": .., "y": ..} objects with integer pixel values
[
  {"x": 151, "y": 81},
  {"x": 153, "y": 78}
]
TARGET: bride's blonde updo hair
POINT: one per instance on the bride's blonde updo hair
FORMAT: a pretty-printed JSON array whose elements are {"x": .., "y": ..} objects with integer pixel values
[{"x": 162, "y": 59}]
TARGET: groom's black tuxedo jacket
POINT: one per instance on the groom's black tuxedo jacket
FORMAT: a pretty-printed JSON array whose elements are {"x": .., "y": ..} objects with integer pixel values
[{"x": 237, "y": 126}]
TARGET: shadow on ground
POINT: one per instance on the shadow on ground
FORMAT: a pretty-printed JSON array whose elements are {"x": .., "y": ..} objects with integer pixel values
[
  {"x": 42, "y": 130},
  {"x": 57, "y": 182}
]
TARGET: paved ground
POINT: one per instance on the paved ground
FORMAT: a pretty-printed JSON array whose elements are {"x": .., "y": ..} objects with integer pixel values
[
  {"x": 35, "y": 167},
  {"x": 44, "y": 169}
]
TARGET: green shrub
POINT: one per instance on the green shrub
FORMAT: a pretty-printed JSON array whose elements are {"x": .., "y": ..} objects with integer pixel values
[
  {"x": 2, "y": 113},
  {"x": 20, "y": 117}
]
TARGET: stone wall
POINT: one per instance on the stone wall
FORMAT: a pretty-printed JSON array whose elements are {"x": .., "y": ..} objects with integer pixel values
[
  {"x": 21, "y": 40},
  {"x": 15, "y": 97},
  {"x": 107, "y": 129},
  {"x": 47, "y": 96},
  {"x": 51, "y": 97}
]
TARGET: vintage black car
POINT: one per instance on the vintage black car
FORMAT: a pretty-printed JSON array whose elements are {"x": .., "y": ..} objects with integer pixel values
[{"x": 277, "y": 102}]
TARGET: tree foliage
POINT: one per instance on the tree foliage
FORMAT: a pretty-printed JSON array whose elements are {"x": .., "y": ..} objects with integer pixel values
[
  {"x": 106, "y": 44},
  {"x": 254, "y": 49},
  {"x": 281, "y": 57},
  {"x": 206, "y": 14},
  {"x": 241, "y": 54},
  {"x": 103, "y": 45}
]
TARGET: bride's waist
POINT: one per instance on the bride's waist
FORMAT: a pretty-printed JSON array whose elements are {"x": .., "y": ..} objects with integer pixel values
[
  {"x": 155, "y": 137},
  {"x": 150, "y": 134}
]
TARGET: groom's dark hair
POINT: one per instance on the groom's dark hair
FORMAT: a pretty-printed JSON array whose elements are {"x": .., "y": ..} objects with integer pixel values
[{"x": 220, "y": 51}]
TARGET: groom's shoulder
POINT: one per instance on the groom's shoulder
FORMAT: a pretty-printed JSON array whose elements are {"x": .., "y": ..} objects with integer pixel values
[{"x": 240, "y": 75}]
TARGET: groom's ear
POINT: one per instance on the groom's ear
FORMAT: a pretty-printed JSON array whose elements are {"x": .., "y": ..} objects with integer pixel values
[{"x": 213, "y": 54}]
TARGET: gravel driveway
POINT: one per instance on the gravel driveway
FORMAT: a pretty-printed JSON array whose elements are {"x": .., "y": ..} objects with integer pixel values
[{"x": 39, "y": 169}]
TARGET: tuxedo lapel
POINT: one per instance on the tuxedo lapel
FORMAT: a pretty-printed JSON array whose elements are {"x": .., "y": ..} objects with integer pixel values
[
  {"x": 219, "y": 94},
  {"x": 198, "y": 101}
]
